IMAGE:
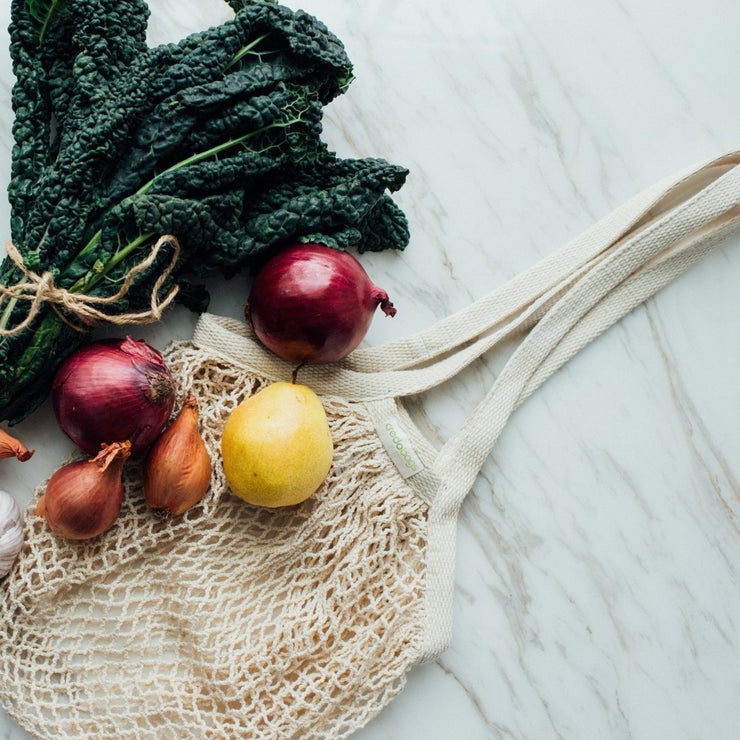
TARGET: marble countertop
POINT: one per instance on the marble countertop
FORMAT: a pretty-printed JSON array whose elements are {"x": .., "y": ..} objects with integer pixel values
[{"x": 597, "y": 590}]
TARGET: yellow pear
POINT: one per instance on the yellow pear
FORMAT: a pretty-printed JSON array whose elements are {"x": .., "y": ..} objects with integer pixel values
[{"x": 276, "y": 446}]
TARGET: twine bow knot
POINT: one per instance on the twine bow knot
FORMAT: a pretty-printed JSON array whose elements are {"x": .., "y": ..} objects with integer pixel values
[{"x": 40, "y": 288}]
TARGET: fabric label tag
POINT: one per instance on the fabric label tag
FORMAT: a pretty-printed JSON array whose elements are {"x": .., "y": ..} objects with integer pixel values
[{"x": 398, "y": 446}]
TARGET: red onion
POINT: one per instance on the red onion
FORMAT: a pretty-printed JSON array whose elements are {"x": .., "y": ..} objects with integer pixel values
[
  {"x": 312, "y": 303},
  {"x": 113, "y": 390}
]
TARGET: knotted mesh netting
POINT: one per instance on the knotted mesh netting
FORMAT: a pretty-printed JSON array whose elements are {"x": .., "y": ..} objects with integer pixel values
[{"x": 230, "y": 621}]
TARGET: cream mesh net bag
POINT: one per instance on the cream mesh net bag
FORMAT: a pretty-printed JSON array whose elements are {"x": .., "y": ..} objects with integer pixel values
[{"x": 239, "y": 622}]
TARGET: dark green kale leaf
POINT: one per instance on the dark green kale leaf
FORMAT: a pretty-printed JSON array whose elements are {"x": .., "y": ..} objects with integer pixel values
[
  {"x": 41, "y": 11},
  {"x": 215, "y": 140}
]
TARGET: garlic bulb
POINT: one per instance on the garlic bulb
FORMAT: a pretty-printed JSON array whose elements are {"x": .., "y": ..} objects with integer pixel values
[{"x": 11, "y": 532}]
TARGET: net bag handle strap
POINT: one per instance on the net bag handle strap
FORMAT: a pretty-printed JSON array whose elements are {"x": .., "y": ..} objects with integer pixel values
[
  {"x": 614, "y": 286},
  {"x": 505, "y": 302},
  {"x": 637, "y": 270},
  {"x": 664, "y": 220}
]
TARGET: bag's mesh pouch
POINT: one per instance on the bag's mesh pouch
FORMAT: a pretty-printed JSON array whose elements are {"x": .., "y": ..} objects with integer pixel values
[{"x": 234, "y": 621}]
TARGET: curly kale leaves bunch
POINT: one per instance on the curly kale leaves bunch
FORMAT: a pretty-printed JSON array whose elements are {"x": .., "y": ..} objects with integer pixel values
[{"x": 215, "y": 139}]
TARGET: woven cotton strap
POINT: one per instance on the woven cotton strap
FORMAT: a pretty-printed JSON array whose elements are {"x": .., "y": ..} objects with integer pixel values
[
  {"x": 633, "y": 271},
  {"x": 502, "y": 304}
]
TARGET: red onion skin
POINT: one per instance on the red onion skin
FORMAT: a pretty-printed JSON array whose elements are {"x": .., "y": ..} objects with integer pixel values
[
  {"x": 313, "y": 304},
  {"x": 110, "y": 390}
]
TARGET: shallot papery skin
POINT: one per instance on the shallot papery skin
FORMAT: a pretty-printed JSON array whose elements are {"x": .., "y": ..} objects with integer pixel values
[
  {"x": 11, "y": 532},
  {"x": 314, "y": 304},
  {"x": 11, "y": 447},
  {"x": 83, "y": 498},
  {"x": 178, "y": 467},
  {"x": 113, "y": 389}
]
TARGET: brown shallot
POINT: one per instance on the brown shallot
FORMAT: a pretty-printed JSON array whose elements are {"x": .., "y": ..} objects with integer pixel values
[
  {"x": 178, "y": 467},
  {"x": 84, "y": 498},
  {"x": 11, "y": 447}
]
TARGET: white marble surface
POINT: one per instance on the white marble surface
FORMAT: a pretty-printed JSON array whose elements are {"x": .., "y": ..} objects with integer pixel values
[{"x": 597, "y": 588}]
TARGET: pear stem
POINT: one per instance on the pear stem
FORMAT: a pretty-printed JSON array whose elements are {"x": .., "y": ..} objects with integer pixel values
[{"x": 294, "y": 374}]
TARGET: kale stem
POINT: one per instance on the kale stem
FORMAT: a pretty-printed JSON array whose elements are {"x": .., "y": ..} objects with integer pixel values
[
  {"x": 6, "y": 313},
  {"x": 49, "y": 14},
  {"x": 94, "y": 241},
  {"x": 243, "y": 52},
  {"x": 193, "y": 159},
  {"x": 213, "y": 151},
  {"x": 92, "y": 278}
]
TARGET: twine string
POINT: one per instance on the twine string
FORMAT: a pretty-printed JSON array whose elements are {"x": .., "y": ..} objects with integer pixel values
[{"x": 37, "y": 289}]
